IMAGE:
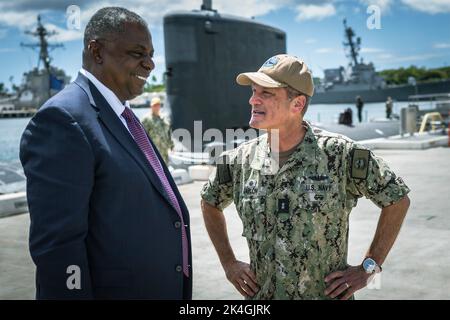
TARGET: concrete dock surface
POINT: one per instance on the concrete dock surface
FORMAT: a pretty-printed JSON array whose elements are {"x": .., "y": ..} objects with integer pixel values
[{"x": 416, "y": 268}]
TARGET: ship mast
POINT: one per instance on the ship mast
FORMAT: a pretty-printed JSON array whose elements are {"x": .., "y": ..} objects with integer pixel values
[
  {"x": 42, "y": 33},
  {"x": 354, "y": 46}
]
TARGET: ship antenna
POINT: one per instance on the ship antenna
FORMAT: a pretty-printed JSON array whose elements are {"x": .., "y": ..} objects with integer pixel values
[
  {"x": 42, "y": 33},
  {"x": 354, "y": 46}
]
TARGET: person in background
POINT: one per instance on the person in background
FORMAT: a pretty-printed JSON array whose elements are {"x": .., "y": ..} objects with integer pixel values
[
  {"x": 359, "y": 107},
  {"x": 389, "y": 107},
  {"x": 158, "y": 129}
]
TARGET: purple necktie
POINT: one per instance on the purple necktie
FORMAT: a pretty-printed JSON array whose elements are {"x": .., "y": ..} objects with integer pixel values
[{"x": 139, "y": 135}]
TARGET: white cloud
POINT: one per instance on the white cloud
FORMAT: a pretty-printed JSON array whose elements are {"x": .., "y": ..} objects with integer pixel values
[
  {"x": 384, "y": 5},
  {"x": 325, "y": 50},
  {"x": 429, "y": 6},
  {"x": 371, "y": 50},
  {"x": 316, "y": 12},
  {"x": 390, "y": 58},
  {"x": 153, "y": 11},
  {"x": 248, "y": 8},
  {"x": 22, "y": 13},
  {"x": 310, "y": 41},
  {"x": 385, "y": 56},
  {"x": 63, "y": 35},
  {"x": 22, "y": 20},
  {"x": 441, "y": 45}
]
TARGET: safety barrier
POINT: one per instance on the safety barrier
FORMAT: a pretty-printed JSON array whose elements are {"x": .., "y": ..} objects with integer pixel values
[{"x": 435, "y": 120}]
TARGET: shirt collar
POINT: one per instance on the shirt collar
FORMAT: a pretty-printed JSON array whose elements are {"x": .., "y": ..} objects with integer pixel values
[
  {"x": 109, "y": 96},
  {"x": 306, "y": 151}
]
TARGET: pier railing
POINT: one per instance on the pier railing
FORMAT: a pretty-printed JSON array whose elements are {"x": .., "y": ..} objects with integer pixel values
[{"x": 17, "y": 113}]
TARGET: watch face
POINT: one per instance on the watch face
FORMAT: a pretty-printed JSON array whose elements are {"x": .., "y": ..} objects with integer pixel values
[{"x": 369, "y": 265}]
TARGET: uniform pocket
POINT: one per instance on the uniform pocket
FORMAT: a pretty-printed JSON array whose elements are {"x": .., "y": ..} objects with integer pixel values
[
  {"x": 253, "y": 218},
  {"x": 318, "y": 193}
]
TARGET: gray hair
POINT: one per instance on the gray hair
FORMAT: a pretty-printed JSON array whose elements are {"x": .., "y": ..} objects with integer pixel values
[
  {"x": 293, "y": 93},
  {"x": 109, "y": 21}
]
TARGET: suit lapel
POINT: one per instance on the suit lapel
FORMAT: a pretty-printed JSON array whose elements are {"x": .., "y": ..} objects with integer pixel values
[{"x": 107, "y": 116}]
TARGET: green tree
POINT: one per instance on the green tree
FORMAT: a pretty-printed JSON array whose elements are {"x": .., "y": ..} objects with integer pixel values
[
  {"x": 401, "y": 75},
  {"x": 154, "y": 86}
]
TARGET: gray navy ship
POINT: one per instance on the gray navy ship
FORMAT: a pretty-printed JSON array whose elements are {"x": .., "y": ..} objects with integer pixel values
[
  {"x": 38, "y": 84},
  {"x": 342, "y": 85}
]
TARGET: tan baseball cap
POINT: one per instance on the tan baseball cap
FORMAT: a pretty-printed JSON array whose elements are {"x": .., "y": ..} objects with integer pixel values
[
  {"x": 155, "y": 100},
  {"x": 281, "y": 71}
]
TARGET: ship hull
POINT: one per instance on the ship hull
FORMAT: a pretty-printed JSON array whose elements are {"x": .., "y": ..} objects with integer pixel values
[{"x": 398, "y": 93}]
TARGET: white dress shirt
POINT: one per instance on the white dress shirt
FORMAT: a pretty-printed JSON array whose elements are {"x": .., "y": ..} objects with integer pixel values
[{"x": 109, "y": 96}]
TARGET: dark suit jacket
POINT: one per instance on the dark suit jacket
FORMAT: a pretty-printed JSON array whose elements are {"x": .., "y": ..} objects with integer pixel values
[{"x": 96, "y": 203}]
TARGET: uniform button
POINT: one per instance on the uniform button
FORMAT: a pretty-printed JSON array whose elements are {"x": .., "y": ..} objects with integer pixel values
[
  {"x": 178, "y": 268},
  {"x": 177, "y": 224}
]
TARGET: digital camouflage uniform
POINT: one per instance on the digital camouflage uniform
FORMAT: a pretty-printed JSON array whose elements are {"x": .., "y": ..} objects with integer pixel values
[
  {"x": 161, "y": 134},
  {"x": 296, "y": 220}
]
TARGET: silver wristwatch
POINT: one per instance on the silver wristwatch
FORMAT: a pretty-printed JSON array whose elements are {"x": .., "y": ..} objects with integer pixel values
[{"x": 371, "y": 266}]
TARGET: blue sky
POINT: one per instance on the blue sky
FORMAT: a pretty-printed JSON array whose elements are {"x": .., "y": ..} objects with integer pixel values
[{"x": 412, "y": 31}]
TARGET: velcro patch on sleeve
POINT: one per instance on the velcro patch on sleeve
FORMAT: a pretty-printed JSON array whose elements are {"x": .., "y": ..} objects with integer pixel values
[{"x": 360, "y": 164}]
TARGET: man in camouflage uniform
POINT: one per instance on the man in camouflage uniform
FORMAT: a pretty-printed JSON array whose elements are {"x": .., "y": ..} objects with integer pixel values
[
  {"x": 294, "y": 199},
  {"x": 159, "y": 130}
]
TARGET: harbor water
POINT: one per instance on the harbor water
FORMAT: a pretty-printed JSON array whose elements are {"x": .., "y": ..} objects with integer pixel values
[{"x": 11, "y": 129}]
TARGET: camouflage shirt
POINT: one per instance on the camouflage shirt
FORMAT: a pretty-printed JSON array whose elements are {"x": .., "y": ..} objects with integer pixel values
[
  {"x": 161, "y": 134},
  {"x": 296, "y": 218}
]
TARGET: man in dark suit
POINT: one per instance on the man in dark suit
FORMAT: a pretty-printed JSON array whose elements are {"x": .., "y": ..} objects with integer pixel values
[{"x": 107, "y": 220}]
